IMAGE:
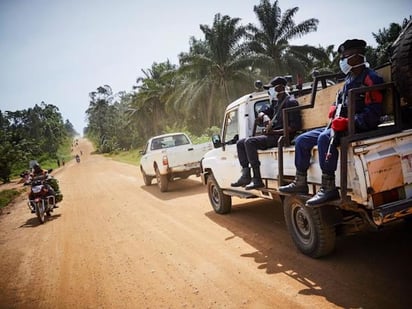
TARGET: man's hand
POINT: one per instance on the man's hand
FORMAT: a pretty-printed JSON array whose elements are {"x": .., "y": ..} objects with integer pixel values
[{"x": 340, "y": 124}]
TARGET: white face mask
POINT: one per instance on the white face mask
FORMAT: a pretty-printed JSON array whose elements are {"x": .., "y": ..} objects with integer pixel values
[
  {"x": 272, "y": 94},
  {"x": 346, "y": 67}
]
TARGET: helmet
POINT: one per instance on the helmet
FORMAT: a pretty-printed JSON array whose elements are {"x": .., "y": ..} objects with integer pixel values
[{"x": 37, "y": 168}]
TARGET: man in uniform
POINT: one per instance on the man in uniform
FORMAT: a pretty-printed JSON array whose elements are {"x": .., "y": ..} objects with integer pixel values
[
  {"x": 368, "y": 109},
  {"x": 247, "y": 148}
]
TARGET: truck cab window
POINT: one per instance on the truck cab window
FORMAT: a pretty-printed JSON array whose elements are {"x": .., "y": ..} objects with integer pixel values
[{"x": 231, "y": 132}]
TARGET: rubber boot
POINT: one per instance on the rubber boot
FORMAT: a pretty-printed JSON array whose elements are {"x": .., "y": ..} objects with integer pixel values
[
  {"x": 327, "y": 192},
  {"x": 244, "y": 179},
  {"x": 256, "y": 182},
  {"x": 298, "y": 186}
]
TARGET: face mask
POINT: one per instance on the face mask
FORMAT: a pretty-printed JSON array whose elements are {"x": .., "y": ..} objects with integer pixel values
[
  {"x": 346, "y": 67},
  {"x": 272, "y": 94}
]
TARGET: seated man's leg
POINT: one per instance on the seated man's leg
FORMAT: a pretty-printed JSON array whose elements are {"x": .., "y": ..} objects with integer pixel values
[
  {"x": 328, "y": 191},
  {"x": 245, "y": 178},
  {"x": 303, "y": 147},
  {"x": 252, "y": 145}
]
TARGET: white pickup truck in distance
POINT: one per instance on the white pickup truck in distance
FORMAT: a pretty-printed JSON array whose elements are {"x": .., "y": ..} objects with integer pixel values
[{"x": 171, "y": 156}]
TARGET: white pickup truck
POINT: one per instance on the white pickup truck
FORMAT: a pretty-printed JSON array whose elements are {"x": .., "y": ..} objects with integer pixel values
[
  {"x": 171, "y": 156},
  {"x": 374, "y": 171}
]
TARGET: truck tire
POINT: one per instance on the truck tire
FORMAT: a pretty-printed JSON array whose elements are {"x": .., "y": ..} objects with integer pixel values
[
  {"x": 402, "y": 63},
  {"x": 221, "y": 203},
  {"x": 162, "y": 181},
  {"x": 311, "y": 235},
  {"x": 146, "y": 179}
]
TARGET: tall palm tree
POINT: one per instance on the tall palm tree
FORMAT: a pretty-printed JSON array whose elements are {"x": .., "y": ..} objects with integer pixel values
[
  {"x": 148, "y": 105},
  {"x": 273, "y": 35},
  {"x": 214, "y": 71}
]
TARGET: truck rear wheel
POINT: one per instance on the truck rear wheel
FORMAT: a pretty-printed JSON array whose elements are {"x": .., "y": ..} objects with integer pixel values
[
  {"x": 311, "y": 235},
  {"x": 402, "y": 63},
  {"x": 162, "y": 181},
  {"x": 221, "y": 203},
  {"x": 146, "y": 179}
]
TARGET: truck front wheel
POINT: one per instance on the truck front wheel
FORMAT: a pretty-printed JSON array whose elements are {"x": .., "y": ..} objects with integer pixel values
[
  {"x": 221, "y": 203},
  {"x": 311, "y": 235},
  {"x": 162, "y": 181}
]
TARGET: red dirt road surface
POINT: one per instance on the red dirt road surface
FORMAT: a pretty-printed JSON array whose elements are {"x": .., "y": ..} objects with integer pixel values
[{"x": 115, "y": 243}]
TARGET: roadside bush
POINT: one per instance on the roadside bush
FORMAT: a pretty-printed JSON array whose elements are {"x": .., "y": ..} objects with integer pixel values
[{"x": 7, "y": 196}]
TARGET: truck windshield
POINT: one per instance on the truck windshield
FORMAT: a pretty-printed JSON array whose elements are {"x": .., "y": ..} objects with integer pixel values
[{"x": 169, "y": 141}]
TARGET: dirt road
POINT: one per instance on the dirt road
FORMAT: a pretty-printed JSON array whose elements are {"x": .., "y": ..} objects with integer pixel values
[{"x": 115, "y": 243}]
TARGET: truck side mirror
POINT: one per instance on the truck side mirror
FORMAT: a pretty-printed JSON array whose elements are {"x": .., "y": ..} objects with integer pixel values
[{"x": 217, "y": 143}]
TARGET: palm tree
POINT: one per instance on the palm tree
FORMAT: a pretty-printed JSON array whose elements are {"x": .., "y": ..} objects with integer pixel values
[
  {"x": 148, "y": 105},
  {"x": 272, "y": 38},
  {"x": 326, "y": 61},
  {"x": 214, "y": 71}
]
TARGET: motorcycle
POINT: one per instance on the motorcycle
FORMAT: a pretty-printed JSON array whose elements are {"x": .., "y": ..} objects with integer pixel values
[
  {"x": 77, "y": 158},
  {"x": 43, "y": 196}
]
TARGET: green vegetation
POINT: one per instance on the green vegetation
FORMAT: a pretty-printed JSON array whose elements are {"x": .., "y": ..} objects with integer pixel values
[
  {"x": 218, "y": 68},
  {"x": 191, "y": 97},
  {"x": 37, "y": 133},
  {"x": 126, "y": 156},
  {"x": 6, "y": 196}
]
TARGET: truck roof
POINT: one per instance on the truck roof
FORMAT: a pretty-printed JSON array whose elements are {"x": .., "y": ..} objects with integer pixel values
[
  {"x": 254, "y": 95},
  {"x": 168, "y": 134}
]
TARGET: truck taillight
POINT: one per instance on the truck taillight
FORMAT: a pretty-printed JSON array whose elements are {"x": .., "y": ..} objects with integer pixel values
[{"x": 165, "y": 161}]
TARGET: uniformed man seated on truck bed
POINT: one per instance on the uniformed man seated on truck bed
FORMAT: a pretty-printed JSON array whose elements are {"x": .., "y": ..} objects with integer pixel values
[
  {"x": 247, "y": 148},
  {"x": 368, "y": 110}
]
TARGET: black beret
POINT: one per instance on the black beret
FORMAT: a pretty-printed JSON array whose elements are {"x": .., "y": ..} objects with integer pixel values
[
  {"x": 278, "y": 80},
  {"x": 352, "y": 44}
]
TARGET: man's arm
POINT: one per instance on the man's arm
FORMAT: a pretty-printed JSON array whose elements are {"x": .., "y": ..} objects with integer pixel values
[{"x": 369, "y": 117}]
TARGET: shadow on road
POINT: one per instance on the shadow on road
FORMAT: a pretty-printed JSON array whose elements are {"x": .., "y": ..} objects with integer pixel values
[
  {"x": 368, "y": 270},
  {"x": 33, "y": 222},
  {"x": 176, "y": 189}
]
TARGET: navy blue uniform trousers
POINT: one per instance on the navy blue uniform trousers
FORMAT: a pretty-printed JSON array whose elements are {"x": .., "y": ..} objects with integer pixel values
[
  {"x": 247, "y": 148},
  {"x": 303, "y": 149}
]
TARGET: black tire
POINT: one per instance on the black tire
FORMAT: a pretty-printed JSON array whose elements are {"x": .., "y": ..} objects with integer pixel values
[
  {"x": 402, "y": 63},
  {"x": 146, "y": 179},
  {"x": 162, "y": 181},
  {"x": 311, "y": 235},
  {"x": 221, "y": 203},
  {"x": 39, "y": 212}
]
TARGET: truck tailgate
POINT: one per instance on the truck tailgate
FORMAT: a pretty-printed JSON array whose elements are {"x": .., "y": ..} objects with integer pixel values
[{"x": 188, "y": 155}]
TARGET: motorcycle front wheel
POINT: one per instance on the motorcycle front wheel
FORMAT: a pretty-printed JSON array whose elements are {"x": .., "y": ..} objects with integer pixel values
[{"x": 40, "y": 211}]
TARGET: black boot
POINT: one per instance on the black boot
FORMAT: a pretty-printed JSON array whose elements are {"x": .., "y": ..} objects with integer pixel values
[
  {"x": 256, "y": 182},
  {"x": 328, "y": 191},
  {"x": 244, "y": 179},
  {"x": 298, "y": 186}
]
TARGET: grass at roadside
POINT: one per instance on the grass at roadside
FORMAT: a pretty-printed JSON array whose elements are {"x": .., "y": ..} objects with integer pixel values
[
  {"x": 130, "y": 157},
  {"x": 7, "y": 196}
]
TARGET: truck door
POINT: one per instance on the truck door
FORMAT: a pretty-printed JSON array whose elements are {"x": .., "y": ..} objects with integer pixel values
[{"x": 227, "y": 159}]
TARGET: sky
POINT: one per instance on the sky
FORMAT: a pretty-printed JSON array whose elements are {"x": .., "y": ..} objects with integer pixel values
[{"x": 58, "y": 51}]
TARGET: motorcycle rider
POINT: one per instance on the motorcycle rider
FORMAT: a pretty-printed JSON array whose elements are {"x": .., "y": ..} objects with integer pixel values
[{"x": 39, "y": 172}]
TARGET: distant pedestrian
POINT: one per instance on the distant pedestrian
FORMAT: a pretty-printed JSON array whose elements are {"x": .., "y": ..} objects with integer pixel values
[{"x": 58, "y": 162}]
